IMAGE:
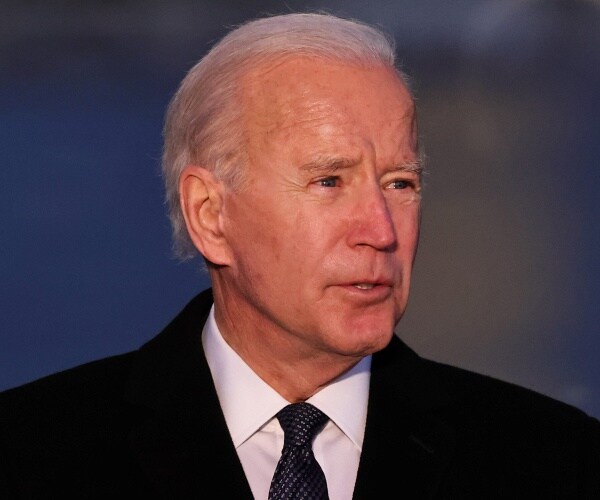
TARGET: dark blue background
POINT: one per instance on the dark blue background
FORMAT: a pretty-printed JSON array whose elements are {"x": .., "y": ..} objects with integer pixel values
[{"x": 507, "y": 277}]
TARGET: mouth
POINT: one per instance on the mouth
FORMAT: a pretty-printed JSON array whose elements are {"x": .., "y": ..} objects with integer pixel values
[
  {"x": 368, "y": 292},
  {"x": 370, "y": 284},
  {"x": 364, "y": 286}
]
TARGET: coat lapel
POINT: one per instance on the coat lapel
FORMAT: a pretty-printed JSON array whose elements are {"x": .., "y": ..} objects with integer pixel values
[
  {"x": 406, "y": 448},
  {"x": 181, "y": 441}
]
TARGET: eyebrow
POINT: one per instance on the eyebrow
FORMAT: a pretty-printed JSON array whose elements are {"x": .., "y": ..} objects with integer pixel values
[
  {"x": 328, "y": 164},
  {"x": 415, "y": 166}
]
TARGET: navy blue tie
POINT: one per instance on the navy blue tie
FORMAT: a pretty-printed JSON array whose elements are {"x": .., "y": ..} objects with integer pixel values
[{"x": 298, "y": 474}]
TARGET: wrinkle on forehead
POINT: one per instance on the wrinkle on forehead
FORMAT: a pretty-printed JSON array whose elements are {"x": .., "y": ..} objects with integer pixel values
[
  {"x": 313, "y": 114},
  {"x": 312, "y": 98},
  {"x": 304, "y": 77},
  {"x": 300, "y": 107}
]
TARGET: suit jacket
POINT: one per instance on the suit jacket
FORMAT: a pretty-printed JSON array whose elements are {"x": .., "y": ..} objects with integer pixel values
[{"x": 148, "y": 423}]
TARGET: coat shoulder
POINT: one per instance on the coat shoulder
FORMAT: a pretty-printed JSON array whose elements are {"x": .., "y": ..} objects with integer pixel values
[
  {"x": 73, "y": 386},
  {"x": 485, "y": 437},
  {"x": 502, "y": 399},
  {"x": 67, "y": 409}
]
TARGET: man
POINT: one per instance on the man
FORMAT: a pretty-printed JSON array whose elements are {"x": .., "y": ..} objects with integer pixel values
[{"x": 292, "y": 166}]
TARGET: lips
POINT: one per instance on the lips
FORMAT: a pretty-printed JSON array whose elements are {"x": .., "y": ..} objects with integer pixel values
[
  {"x": 369, "y": 284},
  {"x": 365, "y": 293},
  {"x": 366, "y": 283},
  {"x": 363, "y": 286}
]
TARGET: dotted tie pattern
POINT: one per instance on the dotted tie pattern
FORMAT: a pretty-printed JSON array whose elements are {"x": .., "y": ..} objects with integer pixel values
[{"x": 298, "y": 474}]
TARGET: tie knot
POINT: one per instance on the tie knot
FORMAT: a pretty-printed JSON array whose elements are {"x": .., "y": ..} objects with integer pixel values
[{"x": 300, "y": 423}]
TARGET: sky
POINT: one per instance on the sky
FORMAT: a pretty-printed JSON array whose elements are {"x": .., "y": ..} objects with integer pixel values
[{"x": 507, "y": 278}]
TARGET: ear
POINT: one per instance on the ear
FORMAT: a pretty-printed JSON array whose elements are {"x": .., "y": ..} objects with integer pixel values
[{"x": 201, "y": 200}]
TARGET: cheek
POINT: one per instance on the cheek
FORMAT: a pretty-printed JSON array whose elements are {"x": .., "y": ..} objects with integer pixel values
[
  {"x": 407, "y": 232},
  {"x": 407, "y": 220},
  {"x": 413, "y": 233},
  {"x": 259, "y": 236}
]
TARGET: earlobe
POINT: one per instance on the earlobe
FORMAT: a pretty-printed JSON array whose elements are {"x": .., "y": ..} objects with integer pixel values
[{"x": 200, "y": 197}]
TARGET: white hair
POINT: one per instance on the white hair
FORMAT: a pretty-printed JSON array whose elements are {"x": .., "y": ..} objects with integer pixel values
[{"x": 203, "y": 124}]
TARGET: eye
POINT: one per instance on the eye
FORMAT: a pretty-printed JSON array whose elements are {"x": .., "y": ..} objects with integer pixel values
[
  {"x": 329, "y": 182},
  {"x": 399, "y": 184},
  {"x": 407, "y": 189}
]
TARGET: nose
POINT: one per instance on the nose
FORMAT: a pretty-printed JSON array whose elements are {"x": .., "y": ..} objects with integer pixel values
[{"x": 372, "y": 223}]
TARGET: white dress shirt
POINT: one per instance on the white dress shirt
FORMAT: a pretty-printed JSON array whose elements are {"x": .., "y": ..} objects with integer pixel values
[{"x": 250, "y": 405}]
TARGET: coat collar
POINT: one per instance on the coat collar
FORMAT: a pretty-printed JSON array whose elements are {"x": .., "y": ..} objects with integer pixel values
[
  {"x": 172, "y": 385},
  {"x": 407, "y": 447},
  {"x": 182, "y": 443}
]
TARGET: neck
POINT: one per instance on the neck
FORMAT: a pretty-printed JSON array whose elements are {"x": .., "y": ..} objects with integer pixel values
[{"x": 293, "y": 367}]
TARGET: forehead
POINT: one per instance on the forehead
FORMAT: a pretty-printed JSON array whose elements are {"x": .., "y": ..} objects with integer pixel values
[{"x": 318, "y": 97}]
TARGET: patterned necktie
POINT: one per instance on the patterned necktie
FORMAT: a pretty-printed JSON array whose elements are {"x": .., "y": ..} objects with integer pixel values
[{"x": 298, "y": 474}]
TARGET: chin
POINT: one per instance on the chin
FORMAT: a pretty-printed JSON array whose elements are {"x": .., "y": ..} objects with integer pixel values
[{"x": 363, "y": 341}]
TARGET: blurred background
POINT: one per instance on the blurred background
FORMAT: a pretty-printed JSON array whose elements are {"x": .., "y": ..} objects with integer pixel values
[{"x": 507, "y": 280}]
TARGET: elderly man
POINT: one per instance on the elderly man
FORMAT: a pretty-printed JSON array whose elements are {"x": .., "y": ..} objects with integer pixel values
[{"x": 292, "y": 166}]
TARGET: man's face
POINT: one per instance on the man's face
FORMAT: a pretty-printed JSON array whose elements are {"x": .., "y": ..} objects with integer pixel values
[{"x": 324, "y": 236}]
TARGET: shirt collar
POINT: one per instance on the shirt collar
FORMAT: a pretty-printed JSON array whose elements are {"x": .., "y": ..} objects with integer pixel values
[{"x": 248, "y": 402}]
